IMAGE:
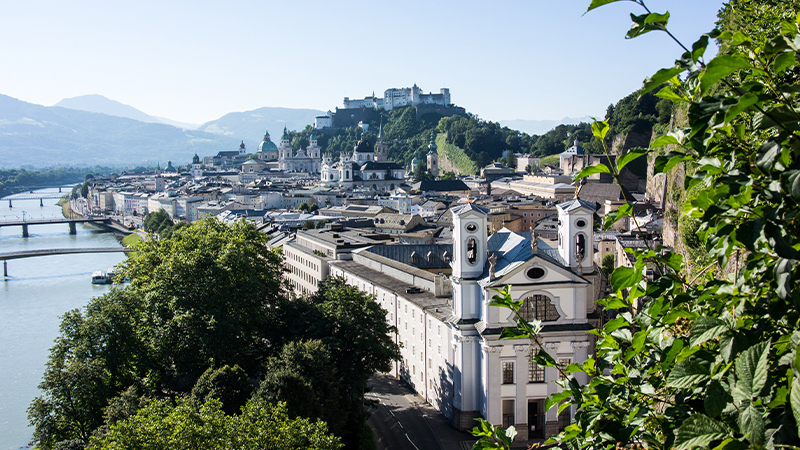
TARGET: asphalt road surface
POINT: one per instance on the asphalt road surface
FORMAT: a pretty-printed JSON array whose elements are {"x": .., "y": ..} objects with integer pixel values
[{"x": 403, "y": 421}]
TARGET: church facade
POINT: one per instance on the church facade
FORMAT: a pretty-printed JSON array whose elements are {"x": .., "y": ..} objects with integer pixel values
[
  {"x": 437, "y": 297},
  {"x": 366, "y": 167},
  {"x": 306, "y": 160}
]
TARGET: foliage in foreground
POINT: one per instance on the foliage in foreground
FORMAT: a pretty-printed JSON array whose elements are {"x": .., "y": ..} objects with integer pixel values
[
  {"x": 205, "y": 316},
  {"x": 710, "y": 362},
  {"x": 182, "y": 426}
]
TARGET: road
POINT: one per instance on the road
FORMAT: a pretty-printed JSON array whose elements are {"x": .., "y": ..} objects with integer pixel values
[{"x": 403, "y": 421}]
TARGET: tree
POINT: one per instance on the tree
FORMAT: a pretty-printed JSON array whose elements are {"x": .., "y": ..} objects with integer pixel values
[
  {"x": 448, "y": 176},
  {"x": 85, "y": 189},
  {"x": 229, "y": 385},
  {"x": 313, "y": 208},
  {"x": 304, "y": 377},
  {"x": 162, "y": 425},
  {"x": 529, "y": 168},
  {"x": 353, "y": 327},
  {"x": 711, "y": 359},
  {"x": 421, "y": 173},
  {"x": 510, "y": 160},
  {"x": 607, "y": 264},
  {"x": 303, "y": 207},
  {"x": 209, "y": 296}
]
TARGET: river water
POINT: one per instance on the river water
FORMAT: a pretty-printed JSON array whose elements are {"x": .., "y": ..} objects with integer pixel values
[{"x": 34, "y": 297}]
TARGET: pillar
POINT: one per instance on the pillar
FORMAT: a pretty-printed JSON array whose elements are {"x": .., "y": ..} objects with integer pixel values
[
  {"x": 9, "y": 203},
  {"x": 41, "y": 202},
  {"x": 72, "y": 228},
  {"x": 5, "y": 269},
  {"x": 59, "y": 190},
  {"x": 25, "y": 230}
]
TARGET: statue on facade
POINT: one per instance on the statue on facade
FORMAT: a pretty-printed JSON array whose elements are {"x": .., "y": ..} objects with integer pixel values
[
  {"x": 492, "y": 264},
  {"x": 534, "y": 242}
]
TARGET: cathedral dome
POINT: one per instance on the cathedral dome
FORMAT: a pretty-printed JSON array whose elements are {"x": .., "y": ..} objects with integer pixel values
[
  {"x": 267, "y": 146},
  {"x": 364, "y": 146}
]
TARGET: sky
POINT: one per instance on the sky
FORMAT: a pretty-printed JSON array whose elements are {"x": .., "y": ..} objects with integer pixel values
[{"x": 194, "y": 61}]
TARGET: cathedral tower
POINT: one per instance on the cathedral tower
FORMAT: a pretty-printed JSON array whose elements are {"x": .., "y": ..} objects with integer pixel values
[
  {"x": 433, "y": 157},
  {"x": 576, "y": 234}
]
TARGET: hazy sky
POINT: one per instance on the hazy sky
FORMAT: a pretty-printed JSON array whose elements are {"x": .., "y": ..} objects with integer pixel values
[{"x": 194, "y": 61}]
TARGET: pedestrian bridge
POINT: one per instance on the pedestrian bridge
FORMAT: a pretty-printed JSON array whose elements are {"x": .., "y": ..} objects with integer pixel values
[
  {"x": 55, "y": 251},
  {"x": 102, "y": 220}
]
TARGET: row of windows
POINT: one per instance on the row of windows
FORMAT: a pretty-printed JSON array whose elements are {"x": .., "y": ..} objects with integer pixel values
[
  {"x": 308, "y": 263},
  {"x": 535, "y": 371}
]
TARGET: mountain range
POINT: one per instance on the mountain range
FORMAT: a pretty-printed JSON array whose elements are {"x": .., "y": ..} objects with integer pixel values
[{"x": 94, "y": 130}]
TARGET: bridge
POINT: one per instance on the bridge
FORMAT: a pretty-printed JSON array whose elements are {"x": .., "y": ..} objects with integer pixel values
[
  {"x": 56, "y": 251},
  {"x": 102, "y": 220}
]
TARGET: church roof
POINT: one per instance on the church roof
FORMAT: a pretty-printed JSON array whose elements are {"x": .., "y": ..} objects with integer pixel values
[
  {"x": 364, "y": 146},
  {"x": 372, "y": 165},
  {"x": 577, "y": 203},
  {"x": 514, "y": 249},
  {"x": 574, "y": 150},
  {"x": 267, "y": 145},
  {"x": 461, "y": 209}
]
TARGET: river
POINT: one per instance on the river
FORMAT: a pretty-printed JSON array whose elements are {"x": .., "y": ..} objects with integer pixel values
[{"x": 34, "y": 297}]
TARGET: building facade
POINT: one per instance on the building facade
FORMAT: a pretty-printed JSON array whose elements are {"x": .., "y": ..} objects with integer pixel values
[
  {"x": 306, "y": 160},
  {"x": 451, "y": 352},
  {"x": 397, "y": 97}
]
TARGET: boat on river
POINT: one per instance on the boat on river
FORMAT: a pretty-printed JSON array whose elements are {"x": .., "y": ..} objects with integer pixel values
[{"x": 100, "y": 277}]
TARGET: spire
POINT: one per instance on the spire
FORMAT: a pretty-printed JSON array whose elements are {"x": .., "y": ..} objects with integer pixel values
[
  {"x": 380, "y": 128},
  {"x": 285, "y": 136},
  {"x": 432, "y": 146},
  {"x": 266, "y": 136}
]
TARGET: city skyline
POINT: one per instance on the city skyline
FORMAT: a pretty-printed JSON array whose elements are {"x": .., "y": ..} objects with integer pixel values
[{"x": 196, "y": 62}]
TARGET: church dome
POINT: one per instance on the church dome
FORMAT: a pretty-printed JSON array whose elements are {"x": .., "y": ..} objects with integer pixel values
[
  {"x": 267, "y": 146},
  {"x": 364, "y": 146}
]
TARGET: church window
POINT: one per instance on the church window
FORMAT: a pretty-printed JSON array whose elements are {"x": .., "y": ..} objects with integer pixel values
[
  {"x": 580, "y": 223},
  {"x": 508, "y": 372},
  {"x": 580, "y": 241},
  {"x": 535, "y": 273},
  {"x": 563, "y": 363},
  {"x": 539, "y": 307},
  {"x": 535, "y": 372},
  {"x": 472, "y": 251}
]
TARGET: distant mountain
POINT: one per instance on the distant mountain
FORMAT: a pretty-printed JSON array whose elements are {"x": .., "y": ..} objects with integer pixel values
[
  {"x": 44, "y": 136},
  {"x": 541, "y": 126},
  {"x": 247, "y": 124},
  {"x": 103, "y": 105}
]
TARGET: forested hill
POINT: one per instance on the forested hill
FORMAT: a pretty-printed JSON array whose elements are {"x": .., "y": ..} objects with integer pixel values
[{"x": 483, "y": 142}]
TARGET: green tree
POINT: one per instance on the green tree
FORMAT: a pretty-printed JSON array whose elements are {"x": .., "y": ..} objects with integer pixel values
[
  {"x": 607, "y": 264},
  {"x": 714, "y": 361},
  {"x": 303, "y": 207},
  {"x": 85, "y": 189},
  {"x": 229, "y": 385},
  {"x": 448, "y": 176},
  {"x": 421, "y": 173},
  {"x": 304, "y": 377},
  {"x": 209, "y": 296},
  {"x": 162, "y": 425}
]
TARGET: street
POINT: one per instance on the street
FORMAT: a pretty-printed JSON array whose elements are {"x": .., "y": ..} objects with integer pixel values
[{"x": 403, "y": 420}]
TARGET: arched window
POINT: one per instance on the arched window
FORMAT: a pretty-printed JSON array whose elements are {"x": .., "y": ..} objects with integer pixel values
[
  {"x": 539, "y": 307},
  {"x": 472, "y": 250},
  {"x": 580, "y": 246}
]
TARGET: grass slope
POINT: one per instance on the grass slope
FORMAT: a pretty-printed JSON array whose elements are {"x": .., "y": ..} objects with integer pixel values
[{"x": 456, "y": 156}]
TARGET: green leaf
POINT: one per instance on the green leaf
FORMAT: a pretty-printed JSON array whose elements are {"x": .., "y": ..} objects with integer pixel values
[
  {"x": 783, "y": 277},
  {"x": 637, "y": 344},
  {"x": 600, "y": 128},
  {"x": 784, "y": 61},
  {"x": 514, "y": 333},
  {"x": 720, "y": 67},
  {"x": 632, "y": 155},
  {"x": 751, "y": 369},
  {"x": 751, "y": 423},
  {"x": 659, "y": 78},
  {"x": 668, "y": 93},
  {"x": 794, "y": 399},
  {"x": 665, "y": 163},
  {"x": 698, "y": 431},
  {"x": 624, "y": 277},
  {"x": 744, "y": 102},
  {"x": 699, "y": 48},
  {"x": 599, "y": 3},
  {"x": 591, "y": 170},
  {"x": 555, "y": 399},
  {"x": 687, "y": 374},
  {"x": 706, "y": 328},
  {"x": 617, "y": 215},
  {"x": 665, "y": 140},
  {"x": 716, "y": 398},
  {"x": 646, "y": 23}
]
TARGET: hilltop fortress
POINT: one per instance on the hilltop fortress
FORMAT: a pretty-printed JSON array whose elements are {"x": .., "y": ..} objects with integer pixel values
[{"x": 358, "y": 110}]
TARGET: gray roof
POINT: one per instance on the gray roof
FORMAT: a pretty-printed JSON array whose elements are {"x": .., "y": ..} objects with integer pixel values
[
  {"x": 577, "y": 203},
  {"x": 462, "y": 209},
  {"x": 403, "y": 253}
]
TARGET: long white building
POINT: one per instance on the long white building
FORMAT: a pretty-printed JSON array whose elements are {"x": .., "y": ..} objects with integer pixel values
[
  {"x": 397, "y": 97},
  {"x": 437, "y": 297}
]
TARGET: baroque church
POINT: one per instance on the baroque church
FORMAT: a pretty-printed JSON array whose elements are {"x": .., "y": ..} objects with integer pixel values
[
  {"x": 437, "y": 296},
  {"x": 308, "y": 160},
  {"x": 366, "y": 167}
]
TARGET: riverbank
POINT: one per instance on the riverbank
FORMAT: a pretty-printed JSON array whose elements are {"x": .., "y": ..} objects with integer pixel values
[{"x": 66, "y": 208}]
